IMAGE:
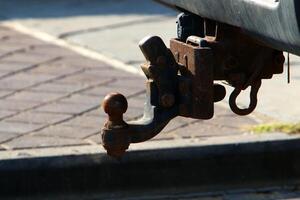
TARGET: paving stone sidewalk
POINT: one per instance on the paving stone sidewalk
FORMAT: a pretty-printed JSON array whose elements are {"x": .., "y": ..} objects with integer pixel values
[{"x": 50, "y": 97}]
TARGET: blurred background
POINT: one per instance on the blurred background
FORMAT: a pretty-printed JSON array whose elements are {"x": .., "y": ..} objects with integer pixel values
[{"x": 111, "y": 27}]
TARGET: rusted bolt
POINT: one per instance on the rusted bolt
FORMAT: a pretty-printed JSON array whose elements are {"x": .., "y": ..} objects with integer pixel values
[{"x": 167, "y": 100}]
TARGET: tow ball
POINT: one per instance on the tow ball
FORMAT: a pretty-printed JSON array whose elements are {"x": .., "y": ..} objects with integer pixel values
[{"x": 181, "y": 82}]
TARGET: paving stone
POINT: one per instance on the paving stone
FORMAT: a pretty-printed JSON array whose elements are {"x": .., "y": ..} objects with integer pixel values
[
  {"x": 85, "y": 121},
  {"x": 38, "y": 118},
  {"x": 111, "y": 72},
  {"x": 16, "y": 105},
  {"x": 14, "y": 66},
  {"x": 5, "y": 93},
  {"x": 68, "y": 131},
  {"x": 5, "y": 136},
  {"x": 2, "y": 53},
  {"x": 84, "y": 78},
  {"x": 133, "y": 113},
  {"x": 12, "y": 48},
  {"x": 57, "y": 88},
  {"x": 118, "y": 75},
  {"x": 17, "y": 127},
  {"x": 137, "y": 102},
  {"x": 6, "y": 113},
  {"x": 164, "y": 136},
  {"x": 3, "y": 74},
  {"x": 96, "y": 112},
  {"x": 50, "y": 49},
  {"x": 205, "y": 129},
  {"x": 6, "y": 32},
  {"x": 232, "y": 120},
  {"x": 22, "y": 39},
  {"x": 102, "y": 91},
  {"x": 176, "y": 123},
  {"x": 83, "y": 99},
  {"x": 81, "y": 61},
  {"x": 28, "y": 57},
  {"x": 134, "y": 83},
  {"x": 65, "y": 108},
  {"x": 94, "y": 139},
  {"x": 29, "y": 142},
  {"x": 221, "y": 110},
  {"x": 14, "y": 85},
  {"x": 40, "y": 97},
  {"x": 23, "y": 80},
  {"x": 55, "y": 68}
]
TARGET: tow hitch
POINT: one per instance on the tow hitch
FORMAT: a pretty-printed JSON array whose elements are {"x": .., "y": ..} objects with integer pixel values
[{"x": 181, "y": 81}]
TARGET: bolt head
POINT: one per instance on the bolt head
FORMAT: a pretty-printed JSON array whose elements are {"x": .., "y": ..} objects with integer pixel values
[{"x": 167, "y": 100}]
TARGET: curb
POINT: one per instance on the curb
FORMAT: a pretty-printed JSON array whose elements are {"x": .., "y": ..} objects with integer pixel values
[{"x": 261, "y": 162}]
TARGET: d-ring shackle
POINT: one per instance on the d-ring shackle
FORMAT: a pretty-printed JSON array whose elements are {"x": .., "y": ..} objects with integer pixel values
[{"x": 253, "y": 99}]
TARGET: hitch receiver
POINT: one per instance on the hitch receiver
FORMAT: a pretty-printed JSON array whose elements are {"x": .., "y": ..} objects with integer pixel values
[{"x": 180, "y": 82}]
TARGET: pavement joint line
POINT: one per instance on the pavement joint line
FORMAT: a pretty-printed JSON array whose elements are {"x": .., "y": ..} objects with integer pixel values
[
  {"x": 53, "y": 124},
  {"x": 5, "y": 37},
  {"x": 57, "y": 99},
  {"x": 30, "y": 67},
  {"x": 179, "y": 127},
  {"x": 7, "y": 148},
  {"x": 136, "y": 94},
  {"x": 91, "y": 141},
  {"x": 71, "y": 46},
  {"x": 13, "y": 52},
  {"x": 111, "y": 26},
  {"x": 43, "y": 82},
  {"x": 58, "y": 136},
  {"x": 90, "y": 135},
  {"x": 21, "y": 135}
]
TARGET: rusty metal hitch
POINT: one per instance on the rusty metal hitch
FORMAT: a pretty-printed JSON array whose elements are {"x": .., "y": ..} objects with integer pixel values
[
  {"x": 180, "y": 82},
  {"x": 161, "y": 71}
]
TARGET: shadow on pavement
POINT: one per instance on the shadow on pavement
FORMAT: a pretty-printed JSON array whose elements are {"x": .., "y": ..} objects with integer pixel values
[{"x": 20, "y": 9}]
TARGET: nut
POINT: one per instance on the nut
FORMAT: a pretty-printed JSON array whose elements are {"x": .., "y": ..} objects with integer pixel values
[{"x": 167, "y": 100}]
